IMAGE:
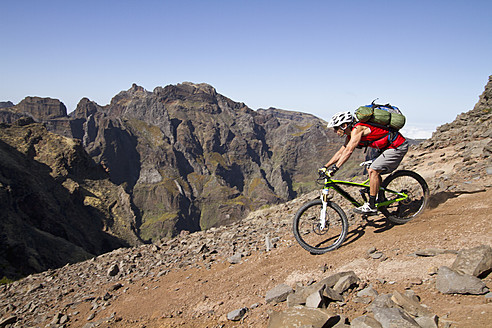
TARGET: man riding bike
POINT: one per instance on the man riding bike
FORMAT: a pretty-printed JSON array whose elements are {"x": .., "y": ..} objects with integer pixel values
[{"x": 392, "y": 148}]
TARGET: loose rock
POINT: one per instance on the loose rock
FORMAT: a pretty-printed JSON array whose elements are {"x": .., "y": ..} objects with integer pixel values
[
  {"x": 474, "y": 261},
  {"x": 236, "y": 315},
  {"x": 452, "y": 282},
  {"x": 278, "y": 294}
]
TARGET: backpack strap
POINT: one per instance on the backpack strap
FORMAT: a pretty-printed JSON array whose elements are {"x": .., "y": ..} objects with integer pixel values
[
  {"x": 374, "y": 105},
  {"x": 392, "y": 135}
]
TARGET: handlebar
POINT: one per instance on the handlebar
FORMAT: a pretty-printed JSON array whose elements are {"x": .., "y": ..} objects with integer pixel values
[
  {"x": 322, "y": 176},
  {"x": 322, "y": 173}
]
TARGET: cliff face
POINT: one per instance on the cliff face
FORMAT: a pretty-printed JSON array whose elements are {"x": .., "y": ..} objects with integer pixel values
[
  {"x": 58, "y": 206},
  {"x": 42, "y": 108},
  {"x": 198, "y": 159}
]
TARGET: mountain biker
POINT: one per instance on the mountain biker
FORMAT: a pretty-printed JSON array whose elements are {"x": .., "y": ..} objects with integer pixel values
[{"x": 392, "y": 148}]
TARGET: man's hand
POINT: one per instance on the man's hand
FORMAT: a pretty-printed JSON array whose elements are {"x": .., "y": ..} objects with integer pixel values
[{"x": 330, "y": 172}]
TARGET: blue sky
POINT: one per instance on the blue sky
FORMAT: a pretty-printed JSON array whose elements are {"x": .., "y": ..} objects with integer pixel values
[{"x": 430, "y": 58}]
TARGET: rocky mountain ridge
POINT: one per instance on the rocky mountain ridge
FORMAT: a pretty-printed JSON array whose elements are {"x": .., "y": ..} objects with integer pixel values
[
  {"x": 457, "y": 158},
  {"x": 182, "y": 157}
]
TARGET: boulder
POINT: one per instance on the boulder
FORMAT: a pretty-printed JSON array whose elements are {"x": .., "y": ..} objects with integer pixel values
[
  {"x": 235, "y": 259},
  {"x": 382, "y": 301},
  {"x": 365, "y": 322},
  {"x": 315, "y": 300},
  {"x": 303, "y": 317},
  {"x": 394, "y": 318},
  {"x": 278, "y": 294},
  {"x": 10, "y": 320},
  {"x": 296, "y": 298},
  {"x": 428, "y": 322},
  {"x": 331, "y": 294},
  {"x": 345, "y": 283},
  {"x": 451, "y": 282},
  {"x": 339, "y": 278},
  {"x": 410, "y": 305},
  {"x": 113, "y": 270},
  {"x": 474, "y": 261},
  {"x": 368, "y": 292}
]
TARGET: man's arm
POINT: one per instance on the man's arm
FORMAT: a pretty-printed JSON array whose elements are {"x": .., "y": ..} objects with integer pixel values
[
  {"x": 335, "y": 157},
  {"x": 355, "y": 138}
]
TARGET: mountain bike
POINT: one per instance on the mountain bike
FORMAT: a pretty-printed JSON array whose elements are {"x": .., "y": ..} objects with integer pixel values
[{"x": 321, "y": 225}]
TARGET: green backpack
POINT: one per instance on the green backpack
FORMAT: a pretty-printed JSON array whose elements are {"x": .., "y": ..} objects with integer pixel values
[{"x": 381, "y": 115}]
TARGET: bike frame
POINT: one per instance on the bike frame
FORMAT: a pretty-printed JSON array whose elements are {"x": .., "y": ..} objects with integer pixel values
[{"x": 335, "y": 185}]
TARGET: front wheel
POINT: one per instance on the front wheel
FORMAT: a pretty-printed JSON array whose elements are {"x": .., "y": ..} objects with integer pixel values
[
  {"x": 404, "y": 182},
  {"x": 307, "y": 227}
]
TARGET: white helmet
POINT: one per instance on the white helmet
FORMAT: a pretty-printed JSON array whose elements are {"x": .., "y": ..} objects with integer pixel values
[{"x": 339, "y": 118}]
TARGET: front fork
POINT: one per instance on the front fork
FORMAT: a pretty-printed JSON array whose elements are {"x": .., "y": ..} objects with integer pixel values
[{"x": 322, "y": 216}]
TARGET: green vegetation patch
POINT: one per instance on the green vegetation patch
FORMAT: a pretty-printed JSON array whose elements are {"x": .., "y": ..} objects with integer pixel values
[
  {"x": 302, "y": 129},
  {"x": 210, "y": 215},
  {"x": 303, "y": 186},
  {"x": 151, "y": 133},
  {"x": 198, "y": 181},
  {"x": 5, "y": 281},
  {"x": 215, "y": 159},
  {"x": 255, "y": 183},
  {"x": 157, "y": 225}
]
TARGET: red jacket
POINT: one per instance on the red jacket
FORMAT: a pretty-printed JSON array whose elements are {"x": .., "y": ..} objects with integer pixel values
[{"x": 379, "y": 138}]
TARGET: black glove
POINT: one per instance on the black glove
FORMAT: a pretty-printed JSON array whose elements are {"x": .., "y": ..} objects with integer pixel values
[
  {"x": 332, "y": 170},
  {"x": 328, "y": 171}
]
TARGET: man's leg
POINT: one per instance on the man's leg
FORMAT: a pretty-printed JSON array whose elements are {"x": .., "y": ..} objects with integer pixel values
[
  {"x": 374, "y": 182},
  {"x": 387, "y": 162}
]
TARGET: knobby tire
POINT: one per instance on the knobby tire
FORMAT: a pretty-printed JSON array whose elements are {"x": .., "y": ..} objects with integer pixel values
[
  {"x": 410, "y": 183},
  {"x": 306, "y": 227}
]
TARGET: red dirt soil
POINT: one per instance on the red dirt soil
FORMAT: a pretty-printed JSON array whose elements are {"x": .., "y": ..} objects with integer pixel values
[{"x": 203, "y": 297}]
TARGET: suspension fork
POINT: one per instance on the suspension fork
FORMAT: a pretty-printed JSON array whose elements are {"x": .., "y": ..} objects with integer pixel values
[{"x": 322, "y": 216}]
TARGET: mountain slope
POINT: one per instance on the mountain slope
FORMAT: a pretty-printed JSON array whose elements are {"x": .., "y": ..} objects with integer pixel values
[
  {"x": 144, "y": 167},
  {"x": 189, "y": 157},
  {"x": 58, "y": 206}
]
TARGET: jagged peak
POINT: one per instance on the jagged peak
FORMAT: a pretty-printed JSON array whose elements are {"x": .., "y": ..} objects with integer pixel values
[
  {"x": 42, "y": 108},
  {"x": 85, "y": 108},
  {"x": 187, "y": 88},
  {"x": 137, "y": 88},
  {"x": 200, "y": 87},
  {"x": 6, "y": 104}
]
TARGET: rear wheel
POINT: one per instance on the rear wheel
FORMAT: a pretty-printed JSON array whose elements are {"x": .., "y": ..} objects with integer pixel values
[
  {"x": 410, "y": 183},
  {"x": 308, "y": 232}
]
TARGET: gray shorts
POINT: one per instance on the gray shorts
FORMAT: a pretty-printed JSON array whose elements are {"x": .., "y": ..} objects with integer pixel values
[{"x": 389, "y": 159}]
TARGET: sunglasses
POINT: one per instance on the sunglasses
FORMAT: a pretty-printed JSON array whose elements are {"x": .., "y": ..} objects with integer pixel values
[{"x": 340, "y": 128}]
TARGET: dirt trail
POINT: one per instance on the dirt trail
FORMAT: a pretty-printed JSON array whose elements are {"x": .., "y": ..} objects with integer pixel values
[{"x": 203, "y": 297}]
